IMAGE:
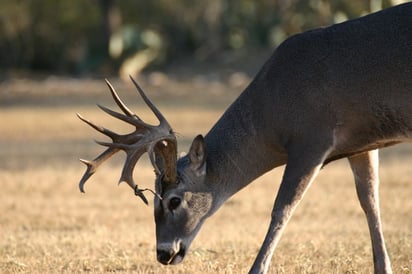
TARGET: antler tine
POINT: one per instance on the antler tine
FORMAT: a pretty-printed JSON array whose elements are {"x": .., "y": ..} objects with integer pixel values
[
  {"x": 119, "y": 102},
  {"x": 93, "y": 165},
  {"x": 128, "y": 119},
  {"x": 100, "y": 129},
  {"x": 127, "y": 172},
  {"x": 158, "y": 114}
]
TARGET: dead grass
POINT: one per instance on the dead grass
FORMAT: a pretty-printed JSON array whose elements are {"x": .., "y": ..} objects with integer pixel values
[{"x": 47, "y": 226}]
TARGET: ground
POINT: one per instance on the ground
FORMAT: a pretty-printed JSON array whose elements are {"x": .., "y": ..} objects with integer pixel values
[{"x": 47, "y": 225}]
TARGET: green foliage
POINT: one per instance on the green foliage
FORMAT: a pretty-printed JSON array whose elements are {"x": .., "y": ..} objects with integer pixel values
[
  {"x": 46, "y": 34},
  {"x": 80, "y": 36}
]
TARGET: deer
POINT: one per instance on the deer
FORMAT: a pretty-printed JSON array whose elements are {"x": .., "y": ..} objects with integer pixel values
[{"x": 343, "y": 91}]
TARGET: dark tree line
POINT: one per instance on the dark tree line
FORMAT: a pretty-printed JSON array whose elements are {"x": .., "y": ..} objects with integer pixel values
[{"x": 80, "y": 36}]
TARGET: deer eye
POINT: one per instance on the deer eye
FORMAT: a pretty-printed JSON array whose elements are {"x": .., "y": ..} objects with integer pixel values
[{"x": 174, "y": 203}]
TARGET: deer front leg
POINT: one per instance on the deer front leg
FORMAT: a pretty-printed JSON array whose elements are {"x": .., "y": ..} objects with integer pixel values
[
  {"x": 365, "y": 168},
  {"x": 301, "y": 169}
]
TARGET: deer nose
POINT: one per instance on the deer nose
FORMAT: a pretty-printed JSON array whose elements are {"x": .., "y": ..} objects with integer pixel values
[
  {"x": 165, "y": 256},
  {"x": 171, "y": 256}
]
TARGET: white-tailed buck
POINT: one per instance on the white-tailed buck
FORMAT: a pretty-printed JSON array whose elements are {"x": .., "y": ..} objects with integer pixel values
[{"x": 338, "y": 92}]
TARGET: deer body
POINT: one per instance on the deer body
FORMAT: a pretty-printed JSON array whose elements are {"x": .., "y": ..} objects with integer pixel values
[
  {"x": 351, "y": 79},
  {"x": 326, "y": 94}
]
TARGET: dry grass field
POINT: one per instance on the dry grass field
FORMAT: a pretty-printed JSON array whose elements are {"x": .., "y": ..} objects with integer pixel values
[{"x": 47, "y": 226}]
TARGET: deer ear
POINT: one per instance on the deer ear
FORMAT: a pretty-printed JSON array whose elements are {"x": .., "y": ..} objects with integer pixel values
[{"x": 197, "y": 155}]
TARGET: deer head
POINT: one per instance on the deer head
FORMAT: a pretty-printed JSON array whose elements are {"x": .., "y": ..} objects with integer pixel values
[{"x": 182, "y": 200}]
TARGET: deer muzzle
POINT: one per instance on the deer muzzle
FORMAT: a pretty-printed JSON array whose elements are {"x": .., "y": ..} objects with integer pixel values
[{"x": 171, "y": 254}]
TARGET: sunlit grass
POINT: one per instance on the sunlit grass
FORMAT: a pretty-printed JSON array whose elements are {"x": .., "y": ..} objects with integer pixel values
[{"x": 47, "y": 226}]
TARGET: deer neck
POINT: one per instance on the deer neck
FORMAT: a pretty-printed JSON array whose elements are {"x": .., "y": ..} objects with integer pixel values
[{"x": 239, "y": 147}]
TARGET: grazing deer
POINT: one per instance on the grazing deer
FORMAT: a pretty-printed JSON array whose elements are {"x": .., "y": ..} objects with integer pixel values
[{"x": 338, "y": 92}]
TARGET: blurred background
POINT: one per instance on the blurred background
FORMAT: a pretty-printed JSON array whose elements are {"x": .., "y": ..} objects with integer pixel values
[{"x": 110, "y": 37}]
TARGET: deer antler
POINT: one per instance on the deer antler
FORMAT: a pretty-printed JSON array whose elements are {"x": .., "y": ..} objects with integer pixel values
[{"x": 158, "y": 141}]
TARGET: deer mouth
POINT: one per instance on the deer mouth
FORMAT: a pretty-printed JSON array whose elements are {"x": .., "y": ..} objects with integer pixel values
[{"x": 171, "y": 257}]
